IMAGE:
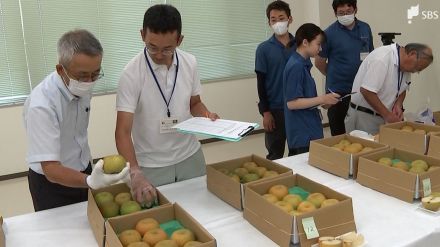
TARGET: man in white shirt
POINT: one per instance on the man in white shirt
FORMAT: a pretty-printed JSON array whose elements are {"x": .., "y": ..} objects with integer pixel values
[
  {"x": 158, "y": 88},
  {"x": 56, "y": 117},
  {"x": 381, "y": 83}
]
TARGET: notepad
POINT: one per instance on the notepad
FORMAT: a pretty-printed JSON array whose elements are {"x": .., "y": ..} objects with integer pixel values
[{"x": 228, "y": 130}]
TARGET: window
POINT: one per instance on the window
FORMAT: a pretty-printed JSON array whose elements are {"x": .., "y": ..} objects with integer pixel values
[{"x": 223, "y": 35}]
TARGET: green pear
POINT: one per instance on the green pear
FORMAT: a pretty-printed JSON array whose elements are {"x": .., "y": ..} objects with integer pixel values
[
  {"x": 114, "y": 164},
  {"x": 241, "y": 171},
  {"x": 130, "y": 207},
  {"x": 250, "y": 177},
  {"x": 109, "y": 209},
  {"x": 103, "y": 197},
  {"x": 417, "y": 170},
  {"x": 420, "y": 163},
  {"x": 122, "y": 197}
]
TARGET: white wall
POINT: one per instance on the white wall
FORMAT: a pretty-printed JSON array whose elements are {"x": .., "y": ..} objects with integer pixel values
[{"x": 237, "y": 99}]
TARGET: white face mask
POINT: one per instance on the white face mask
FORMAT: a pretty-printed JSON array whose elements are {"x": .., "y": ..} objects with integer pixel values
[
  {"x": 80, "y": 88},
  {"x": 346, "y": 20},
  {"x": 280, "y": 28}
]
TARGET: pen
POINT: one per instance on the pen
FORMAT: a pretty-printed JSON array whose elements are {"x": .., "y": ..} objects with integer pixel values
[{"x": 246, "y": 131}]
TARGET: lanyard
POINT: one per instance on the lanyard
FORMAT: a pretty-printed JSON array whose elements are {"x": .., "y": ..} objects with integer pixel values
[
  {"x": 399, "y": 72},
  {"x": 167, "y": 103}
]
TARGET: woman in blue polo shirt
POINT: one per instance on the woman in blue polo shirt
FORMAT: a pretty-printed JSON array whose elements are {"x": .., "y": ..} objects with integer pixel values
[{"x": 302, "y": 116}]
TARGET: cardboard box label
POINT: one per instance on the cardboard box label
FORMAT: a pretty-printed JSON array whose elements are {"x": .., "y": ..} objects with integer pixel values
[
  {"x": 310, "y": 228},
  {"x": 426, "y": 187}
]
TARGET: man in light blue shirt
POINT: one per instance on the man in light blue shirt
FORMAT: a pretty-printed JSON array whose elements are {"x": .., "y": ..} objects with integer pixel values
[{"x": 56, "y": 117}]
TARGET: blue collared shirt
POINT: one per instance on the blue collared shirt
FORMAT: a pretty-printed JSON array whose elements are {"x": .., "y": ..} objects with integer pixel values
[
  {"x": 56, "y": 125},
  {"x": 342, "y": 49},
  {"x": 270, "y": 59},
  {"x": 303, "y": 125}
]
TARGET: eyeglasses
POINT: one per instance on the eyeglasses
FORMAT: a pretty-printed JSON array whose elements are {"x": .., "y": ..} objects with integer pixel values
[
  {"x": 86, "y": 77},
  {"x": 165, "y": 52},
  {"x": 342, "y": 13}
]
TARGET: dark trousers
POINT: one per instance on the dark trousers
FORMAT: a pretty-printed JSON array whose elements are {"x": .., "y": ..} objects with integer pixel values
[
  {"x": 336, "y": 116},
  {"x": 46, "y": 195},
  {"x": 276, "y": 140},
  {"x": 295, "y": 151}
]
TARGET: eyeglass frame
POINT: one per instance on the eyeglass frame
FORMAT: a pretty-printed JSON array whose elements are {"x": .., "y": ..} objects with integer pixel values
[
  {"x": 155, "y": 50},
  {"x": 91, "y": 76}
]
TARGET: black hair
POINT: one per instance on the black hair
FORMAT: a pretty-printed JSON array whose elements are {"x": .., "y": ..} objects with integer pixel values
[
  {"x": 309, "y": 32},
  {"x": 420, "y": 49},
  {"x": 338, "y": 3},
  {"x": 278, "y": 5},
  {"x": 162, "y": 18}
]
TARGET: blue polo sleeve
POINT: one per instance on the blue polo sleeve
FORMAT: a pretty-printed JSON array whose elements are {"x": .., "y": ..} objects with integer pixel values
[
  {"x": 260, "y": 60},
  {"x": 293, "y": 82},
  {"x": 325, "y": 46}
]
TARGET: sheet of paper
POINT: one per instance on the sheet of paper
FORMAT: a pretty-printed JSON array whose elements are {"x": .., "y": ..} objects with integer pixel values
[{"x": 220, "y": 128}]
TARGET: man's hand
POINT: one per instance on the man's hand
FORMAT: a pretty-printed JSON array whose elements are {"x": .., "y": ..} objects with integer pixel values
[
  {"x": 143, "y": 191},
  {"x": 212, "y": 115},
  {"x": 397, "y": 110},
  {"x": 391, "y": 118},
  {"x": 268, "y": 122},
  {"x": 98, "y": 179}
]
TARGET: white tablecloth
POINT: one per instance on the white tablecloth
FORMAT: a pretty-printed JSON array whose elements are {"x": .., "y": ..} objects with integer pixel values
[{"x": 383, "y": 220}]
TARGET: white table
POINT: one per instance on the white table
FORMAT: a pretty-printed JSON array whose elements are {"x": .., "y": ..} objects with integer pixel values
[{"x": 383, "y": 220}]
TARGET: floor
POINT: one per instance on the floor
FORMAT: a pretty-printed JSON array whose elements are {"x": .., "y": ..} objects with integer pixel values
[{"x": 16, "y": 199}]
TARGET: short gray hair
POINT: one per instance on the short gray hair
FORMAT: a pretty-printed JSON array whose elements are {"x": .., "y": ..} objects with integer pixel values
[
  {"x": 421, "y": 50},
  {"x": 75, "y": 42}
]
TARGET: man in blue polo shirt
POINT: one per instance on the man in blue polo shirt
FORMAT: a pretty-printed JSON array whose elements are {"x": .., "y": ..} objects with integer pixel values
[
  {"x": 270, "y": 59},
  {"x": 349, "y": 41}
]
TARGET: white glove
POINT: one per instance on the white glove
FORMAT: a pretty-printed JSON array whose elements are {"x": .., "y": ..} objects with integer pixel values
[
  {"x": 98, "y": 179},
  {"x": 126, "y": 179}
]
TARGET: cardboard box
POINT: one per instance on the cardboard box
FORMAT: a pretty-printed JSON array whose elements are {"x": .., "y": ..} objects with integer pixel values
[
  {"x": 229, "y": 190},
  {"x": 410, "y": 141},
  {"x": 401, "y": 184},
  {"x": 434, "y": 145},
  {"x": 96, "y": 220},
  {"x": 284, "y": 228},
  {"x": 114, "y": 226},
  {"x": 337, "y": 162},
  {"x": 2, "y": 233},
  {"x": 437, "y": 117}
]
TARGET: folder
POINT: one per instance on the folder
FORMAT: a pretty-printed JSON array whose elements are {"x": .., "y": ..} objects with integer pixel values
[{"x": 228, "y": 130}]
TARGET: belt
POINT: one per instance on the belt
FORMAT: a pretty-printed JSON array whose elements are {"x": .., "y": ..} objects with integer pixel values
[{"x": 364, "y": 109}]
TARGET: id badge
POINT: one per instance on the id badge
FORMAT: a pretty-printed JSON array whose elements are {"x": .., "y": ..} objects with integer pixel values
[
  {"x": 363, "y": 55},
  {"x": 166, "y": 125}
]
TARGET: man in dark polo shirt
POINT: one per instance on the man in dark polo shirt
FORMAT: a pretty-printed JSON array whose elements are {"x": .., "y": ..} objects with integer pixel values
[
  {"x": 270, "y": 59},
  {"x": 349, "y": 41}
]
